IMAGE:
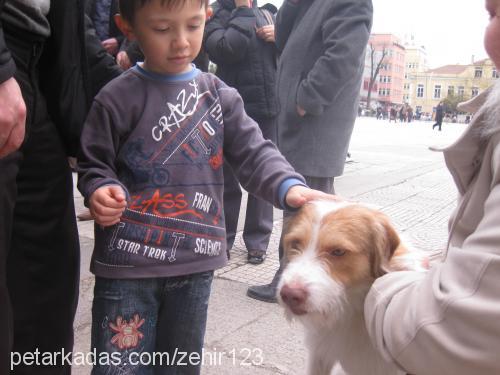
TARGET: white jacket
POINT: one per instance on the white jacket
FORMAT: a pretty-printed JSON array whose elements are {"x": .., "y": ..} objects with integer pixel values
[{"x": 447, "y": 321}]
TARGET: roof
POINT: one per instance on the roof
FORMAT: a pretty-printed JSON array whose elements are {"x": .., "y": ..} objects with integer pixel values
[{"x": 449, "y": 69}]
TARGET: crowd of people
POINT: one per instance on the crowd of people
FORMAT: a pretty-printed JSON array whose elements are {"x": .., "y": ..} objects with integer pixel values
[{"x": 162, "y": 149}]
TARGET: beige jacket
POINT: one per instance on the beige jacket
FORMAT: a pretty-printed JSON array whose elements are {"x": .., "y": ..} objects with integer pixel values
[{"x": 447, "y": 321}]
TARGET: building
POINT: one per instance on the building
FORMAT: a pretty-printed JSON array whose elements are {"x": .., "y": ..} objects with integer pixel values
[
  {"x": 366, "y": 79},
  {"x": 428, "y": 88},
  {"x": 390, "y": 79},
  {"x": 415, "y": 62}
]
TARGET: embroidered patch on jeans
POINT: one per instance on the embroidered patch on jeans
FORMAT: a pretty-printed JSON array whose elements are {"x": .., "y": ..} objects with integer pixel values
[{"x": 127, "y": 333}]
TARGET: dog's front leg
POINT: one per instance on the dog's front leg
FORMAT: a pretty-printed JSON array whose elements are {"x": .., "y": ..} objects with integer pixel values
[{"x": 318, "y": 365}]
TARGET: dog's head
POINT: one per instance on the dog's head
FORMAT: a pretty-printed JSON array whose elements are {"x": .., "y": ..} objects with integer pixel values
[{"x": 334, "y": 252}]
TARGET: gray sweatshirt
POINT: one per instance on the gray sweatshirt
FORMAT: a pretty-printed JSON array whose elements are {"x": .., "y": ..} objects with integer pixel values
[{"x": 163, "y": 139}]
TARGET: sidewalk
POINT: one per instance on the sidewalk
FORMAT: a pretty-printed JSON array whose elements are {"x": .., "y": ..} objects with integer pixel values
[{"x": 391, "y": 168}]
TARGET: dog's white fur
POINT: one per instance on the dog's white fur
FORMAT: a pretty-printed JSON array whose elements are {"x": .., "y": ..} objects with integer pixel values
[{"x": 325, "y": 288}]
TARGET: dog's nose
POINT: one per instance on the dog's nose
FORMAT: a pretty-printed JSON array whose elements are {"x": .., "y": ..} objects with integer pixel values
[{"x": 294, "y": 296}]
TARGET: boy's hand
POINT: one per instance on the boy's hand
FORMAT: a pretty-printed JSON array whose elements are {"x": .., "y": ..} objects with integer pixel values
[
  {"x": 107, "y": 205},
  {"x": 299, "y": 195}
]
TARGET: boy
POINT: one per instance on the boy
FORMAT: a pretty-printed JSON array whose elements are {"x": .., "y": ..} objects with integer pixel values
[{"x": 150, "y": 170}]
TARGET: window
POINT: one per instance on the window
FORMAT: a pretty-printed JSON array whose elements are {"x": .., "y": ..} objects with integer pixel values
[
  {"x": 420, "y": 91},
  {"x": 478, "y": 72},
  {"x": 461, "y": 91},
  {"x": 474, "y": 91},
  {"x": 451, "y": 90},
  {"x": 437, "y": 91},
  {"x": 494, "y": 73}
]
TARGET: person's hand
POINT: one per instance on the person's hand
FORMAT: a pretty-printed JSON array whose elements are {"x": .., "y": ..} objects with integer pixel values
[
  {"x": 298, "y": 195},
  {"x": 266, "y": 33},
  {"x": 301, "y": 111},
  {"x": 12, "y": 117},
  {"x": 243, "y": 3},
  {"x": 123, "y": 60},
  {"x": 110, "y": 45},
  {"x": 107, "y": 205}
]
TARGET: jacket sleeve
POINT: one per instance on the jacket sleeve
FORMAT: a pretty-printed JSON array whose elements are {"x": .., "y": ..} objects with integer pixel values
[
  {"x": 227, "y": 42},
  {"x": 345, "y": 34},
  {"x": 97, "y": 153},
  {"x": 257, "y": 163},
  {"x": 445, "y": 321},
  {"x": 102, "y": 65},
  {"x": 7, "y": 65}
]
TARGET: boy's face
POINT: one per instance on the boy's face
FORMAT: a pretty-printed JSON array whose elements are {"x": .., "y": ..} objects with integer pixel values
[
  {"x": 170, "y": 38},
  {"x": 492, "y": 34}
]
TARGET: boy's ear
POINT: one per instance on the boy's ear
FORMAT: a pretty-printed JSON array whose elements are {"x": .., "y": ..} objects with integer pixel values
[{"x": 124, "y": 27}]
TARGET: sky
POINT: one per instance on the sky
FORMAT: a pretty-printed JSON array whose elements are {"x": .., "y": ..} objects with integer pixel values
[{"x": 451, "y": 30}]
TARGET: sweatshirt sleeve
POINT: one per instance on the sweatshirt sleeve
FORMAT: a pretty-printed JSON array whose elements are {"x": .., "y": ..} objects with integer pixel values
[
  {"x": 227, "y": 42},
  {"x": 96, "y": 158},
  {"x": 259, "y": 166},
  {"x": 445, "y": 321},
  {"x": 345, "y": 35}
]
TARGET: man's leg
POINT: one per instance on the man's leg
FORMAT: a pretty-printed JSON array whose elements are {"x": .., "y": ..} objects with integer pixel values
[
  {"x": 258, "y": 225},
  {"x": 259, "y": 213},
  {"x": 43, "y": 263},
  {"x": 232, "y": 203},
  {"x": 267, "y": 293},
  {"x": 8, "y": 191}
]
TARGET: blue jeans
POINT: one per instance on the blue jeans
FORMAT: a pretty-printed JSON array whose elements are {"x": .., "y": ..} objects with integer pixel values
[{"x": 149, "y": 326}]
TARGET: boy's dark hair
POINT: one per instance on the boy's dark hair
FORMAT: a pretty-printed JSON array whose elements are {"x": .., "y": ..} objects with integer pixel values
[{"x": 129, "y": 7}]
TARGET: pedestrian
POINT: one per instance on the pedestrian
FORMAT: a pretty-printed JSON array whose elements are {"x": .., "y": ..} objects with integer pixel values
[
  {"x": 393, "y": 114},
  {"x": 239, "y": 38},
  {"x": 45, "y": 75},
  {"x": 320, "y": 69},
  {"x": 445, "y": 321},
  {"x": 439, "y": 116},
  {"x": 150, "y": 169}
]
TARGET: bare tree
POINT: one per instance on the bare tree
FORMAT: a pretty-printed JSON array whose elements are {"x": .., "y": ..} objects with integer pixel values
[{"x": 375, "y": 68}]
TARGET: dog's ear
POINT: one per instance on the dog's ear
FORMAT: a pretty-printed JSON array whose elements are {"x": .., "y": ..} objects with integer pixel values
[{"x": 387, "y": 241}]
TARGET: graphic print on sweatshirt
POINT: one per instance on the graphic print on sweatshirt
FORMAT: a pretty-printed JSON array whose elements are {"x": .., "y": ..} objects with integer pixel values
[{"x": 173, "y": 171}]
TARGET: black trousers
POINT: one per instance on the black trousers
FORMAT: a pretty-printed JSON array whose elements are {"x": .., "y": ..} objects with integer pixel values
[
  {"x": 259, "y": 213},
  {"x": 39, "y": 249}
]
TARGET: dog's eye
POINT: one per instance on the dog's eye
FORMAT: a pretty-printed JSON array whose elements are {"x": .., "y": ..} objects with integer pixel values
[{"x": 337, "y": 252}]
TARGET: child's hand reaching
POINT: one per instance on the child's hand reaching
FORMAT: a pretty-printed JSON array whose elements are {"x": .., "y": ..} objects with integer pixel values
[
  {"x": 107, "y": 205},
  {"x": 299, "y": 195}
]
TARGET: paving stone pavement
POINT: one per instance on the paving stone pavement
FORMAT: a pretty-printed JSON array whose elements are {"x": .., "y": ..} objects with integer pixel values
[{"x": 390, "y": 168}]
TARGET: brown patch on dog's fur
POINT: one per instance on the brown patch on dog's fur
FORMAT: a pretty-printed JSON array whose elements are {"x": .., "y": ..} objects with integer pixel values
[
  {"x": 297, "y": 231},
  {"x": 355, "y": 242}
]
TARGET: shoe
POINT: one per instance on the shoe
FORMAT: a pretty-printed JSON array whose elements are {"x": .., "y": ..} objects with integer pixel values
[
  {"x": 84, "y": 215},
  {"x": 266, "y": 293},
  {"x": 256, "y": 256}
]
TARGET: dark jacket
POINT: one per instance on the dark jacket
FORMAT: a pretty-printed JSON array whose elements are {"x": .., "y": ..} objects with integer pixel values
[
  {"x": 243, "y": 60},
  {"x": 74, "y": 67},
  {"x": 114, "y": 31},
  {"x": 322, "y": 46}
]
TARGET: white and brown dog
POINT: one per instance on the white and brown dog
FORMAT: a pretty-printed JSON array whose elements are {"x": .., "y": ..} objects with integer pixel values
[{"x": 335, "y": 251}]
